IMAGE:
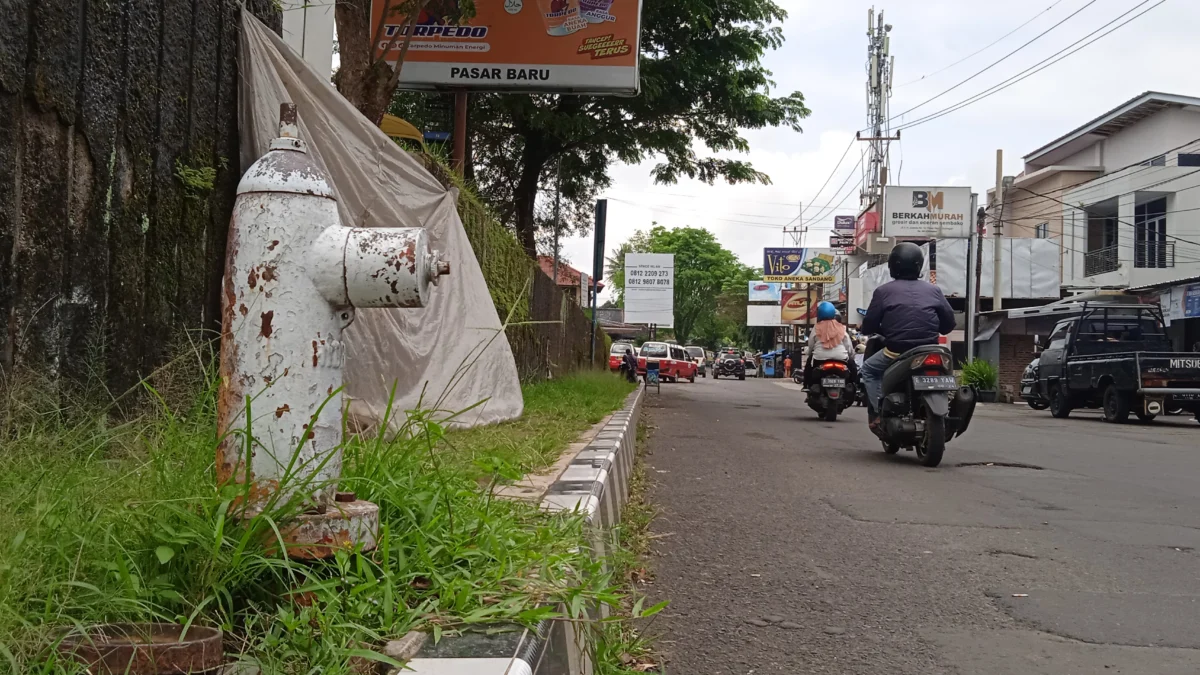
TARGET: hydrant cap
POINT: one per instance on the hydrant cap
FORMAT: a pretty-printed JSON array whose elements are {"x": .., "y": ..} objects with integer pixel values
[{"x": 287, "y": 168}]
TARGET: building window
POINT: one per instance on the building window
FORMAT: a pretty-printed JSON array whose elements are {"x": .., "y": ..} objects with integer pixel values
[
  {"x": 1161, "y": 160},
  {"x": 1151, "y": 247},
  {"x": 1042, "y": 231},
  {"x": 1189, "y": 159}
]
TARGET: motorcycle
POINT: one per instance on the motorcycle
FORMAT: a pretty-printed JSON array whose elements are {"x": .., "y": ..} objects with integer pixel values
[
  {"x": 829, "y": 395},
  {"x": 923, "y": 407}
]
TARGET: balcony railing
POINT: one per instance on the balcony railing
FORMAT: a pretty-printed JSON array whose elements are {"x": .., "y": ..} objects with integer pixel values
[
  {"x": 1154, "y": 254},
  {"x": 1100, "y": 261}
]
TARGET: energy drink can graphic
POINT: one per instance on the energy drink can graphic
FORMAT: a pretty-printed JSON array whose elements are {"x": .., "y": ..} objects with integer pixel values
[
  {"x": 596, "y": 11},
  {"x": 561, "y": 16}
]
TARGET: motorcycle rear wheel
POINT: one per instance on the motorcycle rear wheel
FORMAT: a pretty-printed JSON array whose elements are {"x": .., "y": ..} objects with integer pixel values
[
  {"x": 932, "y": 445},
  {"x": 830, "y": 413},
  {"x": 893, "y": 448}
]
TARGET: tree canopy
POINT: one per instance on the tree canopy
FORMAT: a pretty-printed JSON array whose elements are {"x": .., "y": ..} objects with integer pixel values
[{"x": 702, "y": 79}]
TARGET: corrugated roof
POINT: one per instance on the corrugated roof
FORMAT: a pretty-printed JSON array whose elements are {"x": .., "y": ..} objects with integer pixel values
[{"x": 1173, "y": 282}]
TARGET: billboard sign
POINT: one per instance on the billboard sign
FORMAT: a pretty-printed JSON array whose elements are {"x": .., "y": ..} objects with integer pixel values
[
  {"x": 798, "y": 306},
  {"x": 761, "y": 291},
  {"x": 926, "y": 212},
  {"x": 763, "y": 316},
  {"x": 798, "y": 265},
  {"x": 650, "y": 288},
  {"x": 843, "y": 223},
  {"x": 577, "y": 46}
]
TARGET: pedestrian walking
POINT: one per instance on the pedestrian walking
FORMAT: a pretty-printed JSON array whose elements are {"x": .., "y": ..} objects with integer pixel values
[{"x": 787, "y": 366}]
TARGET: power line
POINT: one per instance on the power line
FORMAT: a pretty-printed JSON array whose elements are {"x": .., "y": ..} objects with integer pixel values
[
  {"x": 985, "y": 48},
  {"x": 1126, "y": 223},
  {"x": 823, "y": 212},
  {"x": 997, "y": 62},
  {"x": 831, "y": 173},
  {"x": 1033, "y": 70}
]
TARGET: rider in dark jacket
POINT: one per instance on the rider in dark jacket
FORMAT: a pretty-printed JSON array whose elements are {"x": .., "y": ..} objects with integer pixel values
[{"x": 907, "y": 312}]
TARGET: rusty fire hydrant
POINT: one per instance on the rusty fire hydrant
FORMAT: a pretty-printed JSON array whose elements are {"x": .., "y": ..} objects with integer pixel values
[{"x": 294, "y": 277}]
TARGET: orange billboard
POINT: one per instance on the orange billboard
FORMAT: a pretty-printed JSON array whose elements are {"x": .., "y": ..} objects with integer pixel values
[{"x": 578, "y": 46}]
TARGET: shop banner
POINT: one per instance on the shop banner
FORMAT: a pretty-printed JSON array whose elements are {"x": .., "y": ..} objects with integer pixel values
[
  {"x": 1191, "y": 301},
  {"x": 577, "y": 46},
  {"x": 798, "y": 265}
]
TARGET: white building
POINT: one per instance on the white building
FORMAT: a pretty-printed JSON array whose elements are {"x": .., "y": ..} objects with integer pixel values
[{"x": 1120, "y": 193}]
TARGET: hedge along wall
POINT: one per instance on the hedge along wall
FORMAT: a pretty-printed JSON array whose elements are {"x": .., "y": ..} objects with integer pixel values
[
  {"x": 118, "y": 166},
  {"x": 550, "y": 335}
]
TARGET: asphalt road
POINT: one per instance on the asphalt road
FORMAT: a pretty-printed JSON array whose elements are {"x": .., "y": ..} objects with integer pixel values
[{"x": 791, "y": 545}]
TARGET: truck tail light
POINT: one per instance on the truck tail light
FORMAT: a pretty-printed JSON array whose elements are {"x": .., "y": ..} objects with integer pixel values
[{"x": 1150, "y": 382}]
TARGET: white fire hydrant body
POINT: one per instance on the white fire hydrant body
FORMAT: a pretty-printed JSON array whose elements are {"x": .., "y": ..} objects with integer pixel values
[{"x": 294, "y": 277}]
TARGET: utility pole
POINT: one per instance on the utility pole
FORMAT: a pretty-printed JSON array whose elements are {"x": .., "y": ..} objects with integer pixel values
[
  {"x": 972, "y": 279},
  {"x": 997, "y": 234},
  {"x": 880, "y": 66}
]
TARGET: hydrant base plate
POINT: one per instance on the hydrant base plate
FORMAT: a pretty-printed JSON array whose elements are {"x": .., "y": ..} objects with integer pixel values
[{"x": 344, "y": 526}]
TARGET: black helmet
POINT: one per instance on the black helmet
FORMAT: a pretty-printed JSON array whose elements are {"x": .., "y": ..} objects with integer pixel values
[{"x": 906, "y": 261}]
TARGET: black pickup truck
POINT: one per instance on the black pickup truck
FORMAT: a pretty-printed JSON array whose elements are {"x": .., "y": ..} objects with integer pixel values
[{"x": 1117, "y": 358}]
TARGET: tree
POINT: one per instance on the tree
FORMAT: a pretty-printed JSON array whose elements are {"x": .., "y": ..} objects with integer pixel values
[
  {"x": 703, "y": 268},
  {"x": 701, "y": 80},
  {"x": 365, "y": 80}
]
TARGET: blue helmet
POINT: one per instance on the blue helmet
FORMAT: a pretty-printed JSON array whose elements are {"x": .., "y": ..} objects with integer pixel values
[{"x": 826, "y": 311}]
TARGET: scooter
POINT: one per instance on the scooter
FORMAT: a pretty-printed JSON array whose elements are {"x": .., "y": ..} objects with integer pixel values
[
  {"x": 923, "y": 407},
  {"x": 828, "y": 395}
]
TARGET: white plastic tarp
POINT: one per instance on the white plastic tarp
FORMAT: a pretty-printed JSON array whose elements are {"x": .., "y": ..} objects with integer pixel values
[
  {"x": 1029, "y": 268},
  {"x": 447, "y": 356}
]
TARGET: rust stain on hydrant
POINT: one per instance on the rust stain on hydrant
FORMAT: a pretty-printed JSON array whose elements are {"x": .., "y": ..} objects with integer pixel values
[
  {"x": 281, "y": 410},
  {"x": 252, "y": 278},
  {"x": 267, "y": 318}
]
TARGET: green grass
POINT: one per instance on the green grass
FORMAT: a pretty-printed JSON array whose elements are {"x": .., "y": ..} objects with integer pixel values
[
  {"x": 556, "y": 412},
  {"x": 102, "y": 523}
]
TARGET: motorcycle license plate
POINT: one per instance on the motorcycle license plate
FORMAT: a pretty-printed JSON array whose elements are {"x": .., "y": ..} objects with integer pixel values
[
  {"x": 834, "y": 382},
  {"x": 934, "y": 383}
]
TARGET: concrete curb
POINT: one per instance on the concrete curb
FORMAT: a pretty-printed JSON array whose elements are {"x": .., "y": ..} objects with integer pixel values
[{"x": 596, "y": 484}]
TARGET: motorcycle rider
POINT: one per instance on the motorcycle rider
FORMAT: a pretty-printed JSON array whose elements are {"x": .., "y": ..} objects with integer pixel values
[
  {"x": 908, "y": 313},
  {"x": 827, "y": 341}
]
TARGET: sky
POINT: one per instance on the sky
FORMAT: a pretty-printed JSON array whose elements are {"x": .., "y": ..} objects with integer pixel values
[{"x": 824, "y": 57}]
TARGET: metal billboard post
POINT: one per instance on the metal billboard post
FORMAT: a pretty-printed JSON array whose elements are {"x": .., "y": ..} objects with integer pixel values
[{"x": 597, "y": 262}]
